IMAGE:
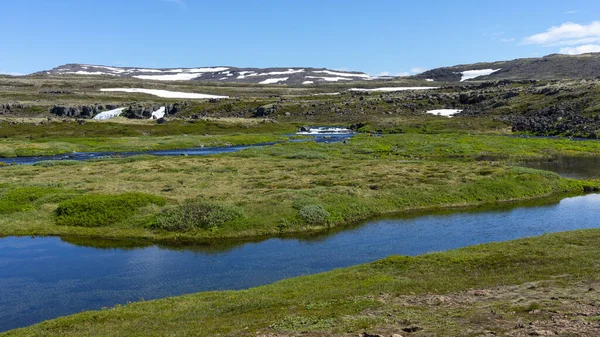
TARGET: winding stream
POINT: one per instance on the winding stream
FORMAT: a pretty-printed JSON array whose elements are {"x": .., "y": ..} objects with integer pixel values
[
  {"x": 318, "y": 134},
  {"x": 47, "y": 277}
]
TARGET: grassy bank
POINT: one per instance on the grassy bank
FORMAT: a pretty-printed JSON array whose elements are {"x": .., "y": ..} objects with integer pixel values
[
  {"x": 283, "y": 189},
  {"x": 493, "y": 288},
  {"x": 51, "y": 138}
]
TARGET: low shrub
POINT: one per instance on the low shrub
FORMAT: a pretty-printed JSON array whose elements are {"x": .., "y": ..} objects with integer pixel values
[
  {"x": 314, "y": 214},
  {"x": 99, "y": 210},
  {"x": 196, "y": 214},
  {"x": 23, "y": 198}
]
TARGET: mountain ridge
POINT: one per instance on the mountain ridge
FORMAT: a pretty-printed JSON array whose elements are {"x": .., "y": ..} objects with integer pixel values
[
  {"x": 222, "y": 74},
  {"x": 549, "y": 67}
]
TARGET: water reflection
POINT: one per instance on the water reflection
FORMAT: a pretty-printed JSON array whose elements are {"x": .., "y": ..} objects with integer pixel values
[
  {"x": 43, "y": 278},
  {"x": 576, "y": 167}
]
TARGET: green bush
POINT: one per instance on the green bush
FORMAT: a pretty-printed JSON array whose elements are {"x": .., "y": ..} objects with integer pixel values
[
  {"x": 99, "y": 210},
  {"x": 314, "y": 214},
  {"x": 196, "y": 214},
  {"x": 22, "y": 199}
]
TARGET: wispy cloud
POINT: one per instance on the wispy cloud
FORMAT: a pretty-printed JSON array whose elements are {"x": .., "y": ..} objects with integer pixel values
[
  {"x": 509, "y": 39},
  {"x": 10, "y": 73},
  {"x": 412, "y": 71},
  {"x": 566, "y": 34},
  {"x": 587, "y": 48},
  {"x": 573, "y": 37},
  {"x": 574, "y": 11}
]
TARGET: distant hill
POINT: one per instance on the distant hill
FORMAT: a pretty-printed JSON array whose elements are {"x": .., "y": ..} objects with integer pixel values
[
  {"x": 553, "y": 66},
  {"x": 289, "y": 76}
]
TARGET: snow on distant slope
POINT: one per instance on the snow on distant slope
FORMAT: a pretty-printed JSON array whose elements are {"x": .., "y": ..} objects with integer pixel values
[
  {"x": 391, "y": 89},
  {"x": 336, "y": 73},
  {"x": 330, "y": 79},
  {"x": 206, "y": 70},
  {"x": 172, "y": 77},
  {"x": 163, "y": 93},
  {"x": 274, "y": 80},
  {"x": 295, "y": 76},
  {"x": 470, "y": 74}
]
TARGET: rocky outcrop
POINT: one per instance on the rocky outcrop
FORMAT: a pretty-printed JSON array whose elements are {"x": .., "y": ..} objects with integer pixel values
[
  {"x": 81, "y": 111},
  {"x": 141, "y": 111}
]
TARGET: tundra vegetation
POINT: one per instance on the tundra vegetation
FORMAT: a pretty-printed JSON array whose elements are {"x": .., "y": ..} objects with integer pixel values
[{"x": 401, "y": 160}]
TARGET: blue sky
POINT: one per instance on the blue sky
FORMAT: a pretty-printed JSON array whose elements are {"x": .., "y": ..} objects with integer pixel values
[{"x": 377, "y": 36}]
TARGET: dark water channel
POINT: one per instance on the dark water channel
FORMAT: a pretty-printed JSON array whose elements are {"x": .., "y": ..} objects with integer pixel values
[
  {"x": 576, "y": 167},
  {"x": 47, "y": 277}
]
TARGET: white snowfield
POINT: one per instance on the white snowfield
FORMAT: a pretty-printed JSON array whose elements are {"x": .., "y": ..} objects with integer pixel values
[
  {"x": 308, "y": 82},
  {"x": 81, "y": 72},
  {"x": 429, "y": 80},
  {"x": 444, "y": 112},
  {"x": 335, "y": 73},
  {"x": 109, "y": 114},
  {"x": 274, "y": 80},
  {"x": 160, "y": 113},
  {"x": 165, "y": 75},
  {"x": 173, "y": 77},
  {"x": 470, "y": 74},
  {"x": 330, "y": 79},
  {"x": 163, "y": 93},
  {"x": 392, "y": 89}
]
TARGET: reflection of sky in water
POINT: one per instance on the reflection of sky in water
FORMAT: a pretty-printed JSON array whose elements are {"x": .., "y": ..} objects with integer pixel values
[{"x": 43, "y": 278}]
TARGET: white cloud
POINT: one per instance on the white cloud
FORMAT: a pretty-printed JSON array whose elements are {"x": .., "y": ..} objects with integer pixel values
[
  {"x": 566, "y": 34},
  {"x": 412, "y": 71},
  {"x": 572, "y": 12},
  {"x": 417, "y": 70},
  {"x": 510, "y": 39},
  {"x": 10, "y": 73},
  {"x": 587, "y": 48}
]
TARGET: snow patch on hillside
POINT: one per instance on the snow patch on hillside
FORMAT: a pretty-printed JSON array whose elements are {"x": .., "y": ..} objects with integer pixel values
[
  {"x": 392, "y": 89},
  {"x": 160, "y": 113},
  {"x": 163, "y": 93},
  {"x": 444, "y": 112},
  {"x": 335, "y": 73},
  {"x": 109, "y": 114},
  {"x": 274, "y": 80},
  {"x": 470, "y": 74},
  {"x": 174, "y": 77},
  {"x": 331, "y": 79}
]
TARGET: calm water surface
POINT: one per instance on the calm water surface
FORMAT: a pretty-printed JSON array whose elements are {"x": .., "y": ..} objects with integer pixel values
[
  {"x": 576, "y": 167},
  {"x": 44, "y": 278}
]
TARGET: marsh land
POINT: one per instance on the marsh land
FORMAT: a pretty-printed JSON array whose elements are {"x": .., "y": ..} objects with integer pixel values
[{"x": 402, "y": 159}]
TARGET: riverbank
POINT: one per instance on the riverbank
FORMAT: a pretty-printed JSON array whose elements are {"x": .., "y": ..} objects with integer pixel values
[
  {"x": 496, "y": 288},
  {"x": 279, "y": 190},
  {"x": 31, "y": 138}
]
